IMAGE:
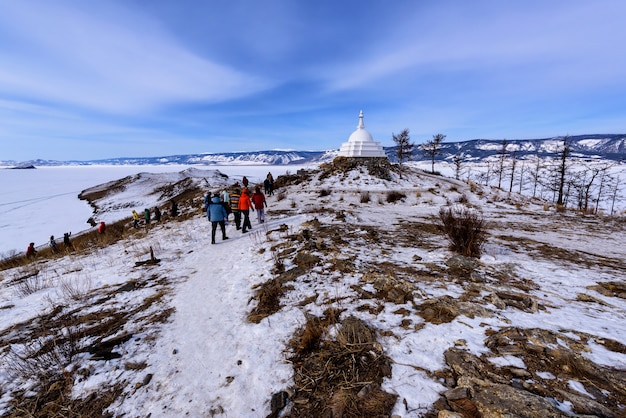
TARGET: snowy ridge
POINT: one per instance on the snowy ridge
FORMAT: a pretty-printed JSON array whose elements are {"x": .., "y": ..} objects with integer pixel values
[
  {"x": 114, "y": 200},
  {"x": 610, "y": 147}
]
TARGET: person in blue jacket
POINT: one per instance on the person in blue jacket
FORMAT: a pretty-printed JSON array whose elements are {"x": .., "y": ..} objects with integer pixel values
[{"x": 217, "y": 215}]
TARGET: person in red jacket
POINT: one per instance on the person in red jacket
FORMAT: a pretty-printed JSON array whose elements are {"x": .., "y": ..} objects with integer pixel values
[
  {"x": 101, "y": 228},
  {"x": 30, "y": 251},
  {"x": 245, "y": 204},
  {"x": 258, "y": 199}
]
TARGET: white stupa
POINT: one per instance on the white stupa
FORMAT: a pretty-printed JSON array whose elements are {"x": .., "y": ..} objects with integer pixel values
[{"x": 361, "y": 143}]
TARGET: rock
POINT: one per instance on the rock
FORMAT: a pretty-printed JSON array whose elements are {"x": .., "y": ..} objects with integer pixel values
[
  {"x": 497, "y": 400},
  {"x": 449, "y": 414},
  {"x": 457, "y": 393},
  {"x": 520, "y": 372},
  {"x": 279, "y": 401},
  {"x": 462, "y": 265},
  {"x": 367, "y": 390},
  {"x": 584, "y": 405}
]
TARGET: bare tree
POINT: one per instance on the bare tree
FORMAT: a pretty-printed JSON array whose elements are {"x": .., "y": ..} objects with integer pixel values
[
  {"x": 563, "y": 169},
  {"x": 513, "y": 164},
  {"x": 503, "y": 153},
  {"x": 521, "y": 176},
  {"x": 615, "y": 190},
  {"x": 535, "y": 174},
  {"x": 405, "y": 147},
  {"x": 603, "y": 174},
  {"x": 432, "y": 149},
  {"x": 458, "y": 164}
]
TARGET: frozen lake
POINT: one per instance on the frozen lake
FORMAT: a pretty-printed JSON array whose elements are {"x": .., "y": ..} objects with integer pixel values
[{"x": 35, "y": 204}]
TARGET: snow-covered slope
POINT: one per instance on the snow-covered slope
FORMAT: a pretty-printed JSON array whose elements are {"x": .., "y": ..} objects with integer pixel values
[{"x": 535, "y": 324}]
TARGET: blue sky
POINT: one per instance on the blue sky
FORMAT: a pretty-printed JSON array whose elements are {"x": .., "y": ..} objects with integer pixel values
[{"x": 100, "y": 79}]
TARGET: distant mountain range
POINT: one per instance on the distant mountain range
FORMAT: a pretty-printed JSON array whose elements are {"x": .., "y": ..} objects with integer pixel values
[{"x": 608, "y": 147}]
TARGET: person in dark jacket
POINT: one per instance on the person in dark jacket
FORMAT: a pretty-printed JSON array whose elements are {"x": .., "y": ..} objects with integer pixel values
[
  {"x": 234, "y": 206},
  {"x": 217, "y": 215},
  {"x": 245, "y": 204},
  {"x": 67, "y": 242},
  {"x": 146, "y": 213},
  {"x": 270, "y": 183},
  {"x": 174, "y": 211},
  {"x": 157, "y": 214}
]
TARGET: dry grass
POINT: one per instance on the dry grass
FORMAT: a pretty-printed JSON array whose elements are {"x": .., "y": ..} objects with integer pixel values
[
  {"x": 394, "y": 196},
  {"x": 342, "y": 377},
  {"x": 465, "y": 230}
]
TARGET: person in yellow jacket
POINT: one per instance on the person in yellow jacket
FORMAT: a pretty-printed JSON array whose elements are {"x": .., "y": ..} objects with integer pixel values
[
  {"x": 245, "y": 204},
  {"x": 135, "y": 219}
]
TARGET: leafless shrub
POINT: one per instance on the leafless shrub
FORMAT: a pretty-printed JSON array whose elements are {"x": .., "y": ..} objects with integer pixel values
[
  {"x": 281, "y": 195},
  {"x": 365, "y": 197},
  {"x": 259, "y": 236},
  {"x": 465, "y": 229},
  {"x": 393, "y": 196},
  {"x": 325, "y": 192},
  {"x": 293, "y": 204},
  {"x": 75, "y": 288},
  {"x": 462, "y": 199},
  {"x": 31, "y": 283},
  {"x": 44, "y": 358}
]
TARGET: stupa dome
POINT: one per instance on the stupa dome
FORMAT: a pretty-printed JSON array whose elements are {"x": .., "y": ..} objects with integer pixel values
[{"x": 361, "y": 143}]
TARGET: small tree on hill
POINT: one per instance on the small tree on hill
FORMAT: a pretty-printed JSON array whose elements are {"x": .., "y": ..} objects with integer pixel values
[
  {"x": 432, "y": 149},
  {"x": 405, "y": 147},
  {"x": 502, "y": 157},
  {"x": 458, "y": 164},
  {"x": 563, "y": 170}
]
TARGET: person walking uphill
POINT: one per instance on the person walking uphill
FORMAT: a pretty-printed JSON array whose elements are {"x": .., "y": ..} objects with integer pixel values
[
  {"x": 258, "y": 199},
  {"x": 234, "y": 207},
  {"x": 245, "y": 204},
  {"x": 30, "y": 251},
  {"x": 217, "y": 215},
  {"x": 135, "y": 219}
]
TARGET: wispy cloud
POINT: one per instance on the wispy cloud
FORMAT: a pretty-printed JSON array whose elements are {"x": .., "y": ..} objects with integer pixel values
[
  {"x": 216, "y": 76},
  {"x": 63, "y": 54}
]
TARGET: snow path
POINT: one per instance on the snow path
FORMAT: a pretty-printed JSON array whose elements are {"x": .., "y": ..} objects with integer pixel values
[{"x": 190, "y": 375}]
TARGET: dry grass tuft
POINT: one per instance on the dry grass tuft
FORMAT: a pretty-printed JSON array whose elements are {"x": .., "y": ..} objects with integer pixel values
[
  {"x": 340, "y": 378},
  {"x": 465, "y": 230},
  {"x": 394, "y": 196},
  {"x": 268, "y": 297}
]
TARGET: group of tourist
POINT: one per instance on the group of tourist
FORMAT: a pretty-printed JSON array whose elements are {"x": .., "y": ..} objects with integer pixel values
[
  {"x": 239, "y": 202},
  {"x": 218, "y": 207},
  {"x": 147, "y": 214},
  {"x": 31, "y": 251}
]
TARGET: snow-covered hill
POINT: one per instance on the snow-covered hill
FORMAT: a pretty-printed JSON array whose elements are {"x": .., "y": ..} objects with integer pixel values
[
  {"x": 346, "y": 301},
  {"x": 600, "y": 147}
]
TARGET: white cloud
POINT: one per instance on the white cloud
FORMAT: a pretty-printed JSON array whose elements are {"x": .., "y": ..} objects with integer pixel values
[{"x": 124, "y": 64}]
